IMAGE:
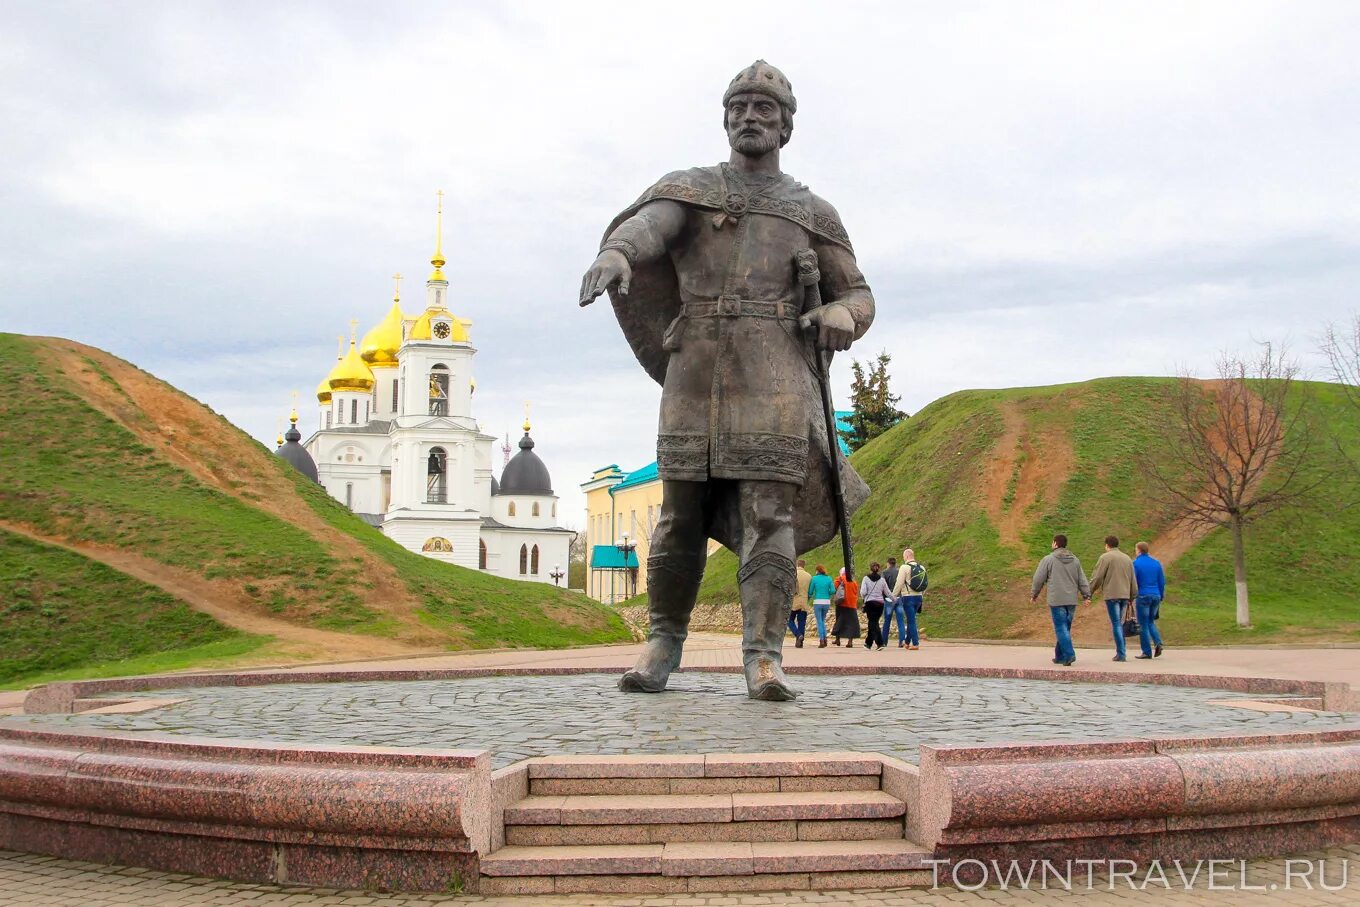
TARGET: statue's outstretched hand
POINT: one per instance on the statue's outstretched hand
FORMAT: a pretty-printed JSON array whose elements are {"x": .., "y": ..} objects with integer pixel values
[
  {"x": 834, "y": 324},
  {"x": 611, "y": 267}
]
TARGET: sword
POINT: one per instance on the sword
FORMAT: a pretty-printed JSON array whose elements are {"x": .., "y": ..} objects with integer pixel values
[{"x": 809, "y": 275}]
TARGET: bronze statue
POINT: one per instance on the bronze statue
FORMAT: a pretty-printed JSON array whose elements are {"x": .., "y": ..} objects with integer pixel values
[{"x": 703, "y": 273}]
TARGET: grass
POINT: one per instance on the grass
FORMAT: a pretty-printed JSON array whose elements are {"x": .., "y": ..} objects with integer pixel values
[
  {"x": 1302, "y": 575},
  {"x": 926, "y": 474},
  {"x": 224, "y": 653},
  {"x": 80, "y": 475},
  {"x": 64, "y": 615}
]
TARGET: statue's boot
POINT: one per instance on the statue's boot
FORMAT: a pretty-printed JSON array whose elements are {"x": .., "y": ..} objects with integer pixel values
[
  {"x": 766, "y": 593},
  {"x": 671, "y": 591}
]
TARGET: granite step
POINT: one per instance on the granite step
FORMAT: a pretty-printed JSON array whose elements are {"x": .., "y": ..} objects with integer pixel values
[
  {"x": 671, "y": 809},
  {"x": 711, "y": 773},
  {"x": 681, "y": 832},
  {"x": 700, "y": 866}
]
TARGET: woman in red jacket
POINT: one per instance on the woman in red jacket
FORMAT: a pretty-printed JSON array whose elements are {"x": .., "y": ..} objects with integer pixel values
[{"x": 847, "y": 611}]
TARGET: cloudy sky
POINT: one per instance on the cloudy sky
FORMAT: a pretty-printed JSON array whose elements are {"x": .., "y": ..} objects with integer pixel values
[{"x": 1038, "y": 192}]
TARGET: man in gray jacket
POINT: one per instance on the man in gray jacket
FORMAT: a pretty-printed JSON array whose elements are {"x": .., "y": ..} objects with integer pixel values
[{"x": 1061, "y": 572}]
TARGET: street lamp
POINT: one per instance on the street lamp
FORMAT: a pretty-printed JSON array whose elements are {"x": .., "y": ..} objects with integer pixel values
[
  {"x": 627, "y": 546},
  {"x": 557, "y": 574}
]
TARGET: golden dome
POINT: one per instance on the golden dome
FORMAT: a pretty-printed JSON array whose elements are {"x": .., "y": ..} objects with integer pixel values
[
  {"x": 380, "y": 345},
  {"x": 421, "y": 329},
  {"x": 350, "y": 373}
]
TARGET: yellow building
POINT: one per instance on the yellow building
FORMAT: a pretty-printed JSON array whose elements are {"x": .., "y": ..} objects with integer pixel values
[{"x": 620, "y": 508}]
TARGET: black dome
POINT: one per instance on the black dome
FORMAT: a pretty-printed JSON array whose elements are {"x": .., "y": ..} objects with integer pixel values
[
  {"x": 525, "y": 473},
  {"x": 296, "y": 456},
  {"x": 495, "y": 486}
]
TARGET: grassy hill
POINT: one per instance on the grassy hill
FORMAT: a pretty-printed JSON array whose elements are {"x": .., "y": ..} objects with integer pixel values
[
  {"x": 199, "y": 536},
  {"x": 978, "y": 481}
]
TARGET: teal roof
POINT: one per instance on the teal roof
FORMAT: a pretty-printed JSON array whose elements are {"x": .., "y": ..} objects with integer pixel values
[
  {"x": 639, "y": 476},
  {"x": 607, "y": 557},
  {"x": 843, "y": 424}
]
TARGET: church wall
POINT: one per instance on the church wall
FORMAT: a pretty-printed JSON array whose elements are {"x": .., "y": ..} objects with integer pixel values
[
  {"x": 553, "y": 549},
  {"x": 411, "y": 532},
  {"x": 524, "y": 511},
  {"x": 382, "y": 394}
]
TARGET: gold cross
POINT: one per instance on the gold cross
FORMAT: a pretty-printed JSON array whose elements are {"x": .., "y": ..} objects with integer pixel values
[
  {"x": 396, "y": 294},
  {"x": 353, "y": 329}
]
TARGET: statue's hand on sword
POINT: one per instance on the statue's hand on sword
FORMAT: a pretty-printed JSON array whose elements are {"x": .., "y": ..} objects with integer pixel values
[
  {"x": 611, "y": 267},
  {"x": 834, "y": 325}
]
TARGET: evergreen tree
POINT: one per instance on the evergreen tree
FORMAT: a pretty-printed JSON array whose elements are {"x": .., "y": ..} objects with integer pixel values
[{"x": 874, "y": 405}]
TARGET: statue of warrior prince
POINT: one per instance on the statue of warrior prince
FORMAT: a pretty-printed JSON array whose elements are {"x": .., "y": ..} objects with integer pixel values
[{"x": 703, "y": 272}]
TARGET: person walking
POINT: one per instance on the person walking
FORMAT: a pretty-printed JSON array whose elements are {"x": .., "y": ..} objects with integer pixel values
[
  {"x": 1114, "y": 578},
  {"x": 1151, "y": 591},
  {"x": 820, "y": 590},
  {"x": 798, "y": 611},
  {"x": 909, "y": 591},
  {"x": 1061, "y": 572},
  {"x": 847, "y": 611},
  {"x": 873, "y": 590},
  {"x": 891, "y": 605}
]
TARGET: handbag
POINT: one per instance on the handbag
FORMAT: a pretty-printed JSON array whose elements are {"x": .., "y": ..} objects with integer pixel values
[
  {"x": 1130, "y": 624},
  {"x": 839, "y": 597}
]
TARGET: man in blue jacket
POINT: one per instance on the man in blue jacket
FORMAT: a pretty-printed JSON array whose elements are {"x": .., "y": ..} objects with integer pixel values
[{"x": 1151, "y": 590}]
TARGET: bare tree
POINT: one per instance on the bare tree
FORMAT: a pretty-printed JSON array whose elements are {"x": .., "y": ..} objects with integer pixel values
[
  {"x": 1225, "y": 435},
  {"x": 1341, "y": 346}
]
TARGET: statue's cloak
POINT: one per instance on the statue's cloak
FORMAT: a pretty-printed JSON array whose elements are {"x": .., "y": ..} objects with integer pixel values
[{"x": 654, "y": 306}]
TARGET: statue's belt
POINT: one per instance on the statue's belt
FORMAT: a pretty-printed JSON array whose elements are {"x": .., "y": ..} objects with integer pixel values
[{"x": 735, "y": 306}]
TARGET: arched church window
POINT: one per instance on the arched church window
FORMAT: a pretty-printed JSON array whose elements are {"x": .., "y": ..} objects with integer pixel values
[
  {"x": 396, "y": 382},
  {"x": 554, "y": 510},
  {"x": 439, "y": 390},
  {"x": 523, "y": 559},
  {"x": 436, "y": 477},
  {"x": 533, "y": 561},
  {"x": 481, "y": 555},
  {"x": 354, "y": 411},
  {"x": 511, "y": 509},
  {"x": 437, "y": 544},
  {"x": 535, "y": 508}
]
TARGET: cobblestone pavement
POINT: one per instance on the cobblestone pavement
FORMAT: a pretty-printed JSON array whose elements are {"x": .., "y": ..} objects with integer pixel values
[
  {"x": 518, "y": 717},
  {"x": 36, "y": 881}
]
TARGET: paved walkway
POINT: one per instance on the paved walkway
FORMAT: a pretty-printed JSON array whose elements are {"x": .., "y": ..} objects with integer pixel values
[
  {"x": 518, "y": 717},
  {"x": 1340, "y": 663},
  {"x": 34, "y": 881}
]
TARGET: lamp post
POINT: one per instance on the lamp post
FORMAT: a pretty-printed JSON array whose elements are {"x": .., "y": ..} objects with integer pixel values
[
  {"x": 557, "y": 574},
  {"x": 626, "y": 547}
]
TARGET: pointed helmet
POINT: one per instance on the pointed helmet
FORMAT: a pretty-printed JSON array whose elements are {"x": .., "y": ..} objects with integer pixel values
[{"x": 762, "y": 78}]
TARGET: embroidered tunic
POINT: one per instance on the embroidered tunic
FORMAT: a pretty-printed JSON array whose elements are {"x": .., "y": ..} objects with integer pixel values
[{"x": 739, "y": 398}]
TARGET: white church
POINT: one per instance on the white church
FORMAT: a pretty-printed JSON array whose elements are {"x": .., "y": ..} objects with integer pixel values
[{"x": 398, "y": 445}]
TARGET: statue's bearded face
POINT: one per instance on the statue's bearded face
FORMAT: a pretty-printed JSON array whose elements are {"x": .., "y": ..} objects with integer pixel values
[{"x": 755, "y": 124}]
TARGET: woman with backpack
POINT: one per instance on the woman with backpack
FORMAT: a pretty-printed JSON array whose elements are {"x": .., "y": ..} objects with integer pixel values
[
  {"x": 846, "y": 600},
  {"x": 911, "y": 583}
]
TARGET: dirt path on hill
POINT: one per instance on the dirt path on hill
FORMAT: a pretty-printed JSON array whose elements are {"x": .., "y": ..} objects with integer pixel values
[
  {"x": 226, "y": 604},
  {"x": 1038, "y": 462},
  {"x": 192, "y": 437}
]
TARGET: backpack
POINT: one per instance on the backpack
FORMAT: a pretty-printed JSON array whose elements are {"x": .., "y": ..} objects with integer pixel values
[{"x": 917, "y": 580}]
